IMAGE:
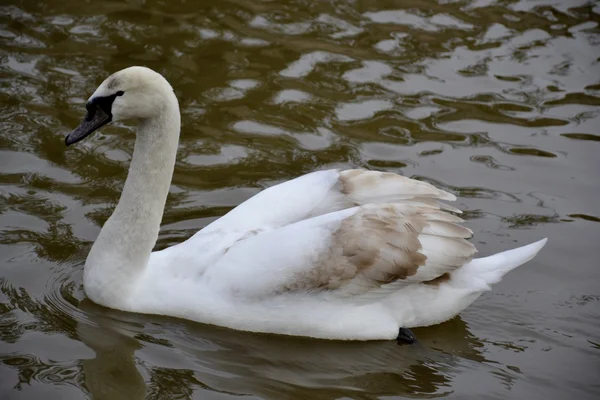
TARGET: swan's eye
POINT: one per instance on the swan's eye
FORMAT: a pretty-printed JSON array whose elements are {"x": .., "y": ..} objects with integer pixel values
[{"x": 120, "y": 93}]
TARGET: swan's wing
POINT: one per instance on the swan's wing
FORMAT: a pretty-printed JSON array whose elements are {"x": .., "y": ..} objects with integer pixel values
[
  {"x": 305, "y": 197},
  {"x": 323, "y": 192},
  {"x": 357, "y": 252}
]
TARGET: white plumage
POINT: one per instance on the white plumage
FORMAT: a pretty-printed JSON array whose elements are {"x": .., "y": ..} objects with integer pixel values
[{"x": 332, "y": 254}]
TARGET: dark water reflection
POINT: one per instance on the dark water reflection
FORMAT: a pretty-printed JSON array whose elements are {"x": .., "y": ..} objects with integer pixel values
[
  {"x": 495, "y": 101},
  {"x": 186, "y": 357}
]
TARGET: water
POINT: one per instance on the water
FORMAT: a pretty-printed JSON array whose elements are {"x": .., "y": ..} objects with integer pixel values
[{"x": 495, "y": 101}]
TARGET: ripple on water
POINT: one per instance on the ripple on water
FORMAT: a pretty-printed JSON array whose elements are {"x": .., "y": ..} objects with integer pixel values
[{"x": 496, "y": 103}]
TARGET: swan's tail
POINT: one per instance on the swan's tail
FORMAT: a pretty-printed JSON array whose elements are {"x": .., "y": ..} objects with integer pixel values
[{"x": 480, "y": 273}]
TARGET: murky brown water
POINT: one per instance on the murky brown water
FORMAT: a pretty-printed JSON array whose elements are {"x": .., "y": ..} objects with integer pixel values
[{"x": 496, "y": 101}]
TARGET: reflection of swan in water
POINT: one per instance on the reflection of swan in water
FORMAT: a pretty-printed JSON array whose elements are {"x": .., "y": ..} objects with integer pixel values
[
  {"x": 183, "y": 356},
  {"x": 112, "y": 374},
  {"x": 333, "y": 369}
]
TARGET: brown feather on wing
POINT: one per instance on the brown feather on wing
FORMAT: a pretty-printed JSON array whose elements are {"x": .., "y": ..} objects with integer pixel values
[
  {"x": 381, "y": 244},
  {"x": 400, "y": 235}
]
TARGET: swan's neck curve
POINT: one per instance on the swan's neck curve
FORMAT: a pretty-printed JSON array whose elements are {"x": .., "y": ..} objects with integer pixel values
[{"x": 121, "y": 252}]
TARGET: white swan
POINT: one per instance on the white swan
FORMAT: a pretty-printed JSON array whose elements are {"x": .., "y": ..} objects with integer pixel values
[{"x": 354, "y": 255}]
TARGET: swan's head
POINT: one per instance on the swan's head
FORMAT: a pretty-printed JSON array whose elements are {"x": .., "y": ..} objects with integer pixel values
[{"x": 134, "y": 92}]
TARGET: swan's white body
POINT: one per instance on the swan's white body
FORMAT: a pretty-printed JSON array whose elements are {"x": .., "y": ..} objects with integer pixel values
[{"x": 333, "y": 254}]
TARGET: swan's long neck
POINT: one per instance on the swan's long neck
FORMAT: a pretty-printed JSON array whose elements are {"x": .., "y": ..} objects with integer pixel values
[{"x": 121, "y": 252}]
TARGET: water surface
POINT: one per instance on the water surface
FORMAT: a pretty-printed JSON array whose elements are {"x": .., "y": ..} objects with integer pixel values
[{"x": 495, "y": 101}]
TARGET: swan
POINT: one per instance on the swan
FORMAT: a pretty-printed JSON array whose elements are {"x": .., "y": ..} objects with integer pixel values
[{"x": 334, "y": 254}]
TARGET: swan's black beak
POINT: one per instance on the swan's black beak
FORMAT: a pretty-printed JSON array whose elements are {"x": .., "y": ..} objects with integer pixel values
[{"x": 96, "y": 118}]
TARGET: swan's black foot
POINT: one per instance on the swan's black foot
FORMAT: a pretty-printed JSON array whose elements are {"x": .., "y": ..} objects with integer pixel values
[{"x": 405, "y": 335}]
